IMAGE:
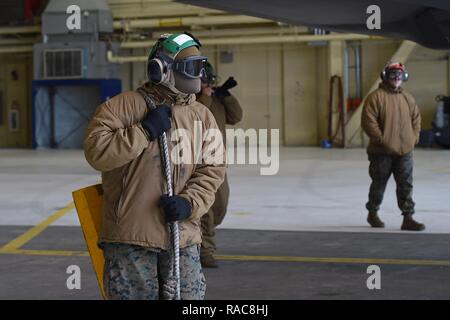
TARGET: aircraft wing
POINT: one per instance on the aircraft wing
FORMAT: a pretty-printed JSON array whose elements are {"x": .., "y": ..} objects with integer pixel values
[{"x": 426, "y": 22}]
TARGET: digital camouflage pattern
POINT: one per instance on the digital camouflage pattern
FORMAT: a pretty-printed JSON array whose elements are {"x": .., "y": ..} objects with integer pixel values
[
  {"x": 380, "y": 169},
  {"x": 139, "y": 273}
]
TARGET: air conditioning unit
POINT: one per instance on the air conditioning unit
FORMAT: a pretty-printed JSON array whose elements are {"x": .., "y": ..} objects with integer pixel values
[
  {"x": 76, "y": 54},
  {"x": 63, "y": 63}
]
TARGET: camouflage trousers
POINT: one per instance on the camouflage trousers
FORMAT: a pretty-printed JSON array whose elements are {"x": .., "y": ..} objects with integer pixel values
[
  {"x": 380, "y": 169},
  {"x": 138, "y": 273},
  {"x": 213, "y": 218}
]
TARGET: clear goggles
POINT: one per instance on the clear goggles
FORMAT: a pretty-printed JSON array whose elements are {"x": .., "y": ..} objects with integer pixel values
[
  {"x": 396, "y": 74},
  {"x": 192, "y": 67}
]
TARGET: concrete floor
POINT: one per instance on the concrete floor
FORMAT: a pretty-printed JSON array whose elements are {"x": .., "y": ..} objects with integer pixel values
[{"x": 288, "y": 236}]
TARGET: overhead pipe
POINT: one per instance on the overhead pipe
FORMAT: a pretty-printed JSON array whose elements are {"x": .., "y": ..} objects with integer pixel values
[
  {"x": 236, "y": 40},
  {"x": 357, "y": 50},
  {"x": 16, "y": 49},
  {"x": 353, "y": 101},
  {"x": 186, "y": 21},
  {"x": 346, "y": 74},
  {"x": 240, "y": 31},
  {"x": 155, "y": 23},
  {"x": 289, "y": 38},
  {"x": 21, "y": 29},
  {"x": 140, "y": 9},
  {"x": 21, "y": 41},
  {"x": 261, "y": 39},
  {"x": 124, "y": 59}
]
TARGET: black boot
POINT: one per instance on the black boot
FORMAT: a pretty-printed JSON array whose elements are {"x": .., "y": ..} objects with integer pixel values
[{"x": 374, "y": 220}]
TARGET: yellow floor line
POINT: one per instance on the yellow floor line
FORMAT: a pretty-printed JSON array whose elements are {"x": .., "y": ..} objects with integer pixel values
[
  {"x": 441, "y": 170},
  {"x": 336, "y": 260},
  {"x": 417, "y": 262},
  {"x": 64, "y": 253},
  {"x": 36, "y": 230}
]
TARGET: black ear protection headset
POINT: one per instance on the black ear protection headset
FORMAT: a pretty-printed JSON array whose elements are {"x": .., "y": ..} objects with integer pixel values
[
  {"x": 158, "y": 64},
  {"x": 384, "y": 75}
]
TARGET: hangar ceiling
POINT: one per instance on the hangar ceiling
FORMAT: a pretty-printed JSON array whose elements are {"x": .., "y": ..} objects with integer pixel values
[{"x": 139, "y": 22}]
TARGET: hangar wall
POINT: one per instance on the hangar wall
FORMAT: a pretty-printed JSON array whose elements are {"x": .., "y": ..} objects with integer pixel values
[
  {"x": 280, "y": 86},
  {"x": 15, "y": 100},
  {"x": 286, "y": 86},
  {"x": 277, "y": 86},
  {"x": 429, "y": 70}
]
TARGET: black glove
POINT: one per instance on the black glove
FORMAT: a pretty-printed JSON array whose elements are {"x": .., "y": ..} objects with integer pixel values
[
  {"x": 222, "y": 91},
  {"x": 157, "y": 121},
  {"x": 175, "y": 207}
]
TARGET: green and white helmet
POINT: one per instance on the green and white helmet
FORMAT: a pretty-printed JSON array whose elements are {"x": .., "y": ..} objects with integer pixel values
[
  {"x": 163, "y": 58},
  {"x": 174, "y": 43}
]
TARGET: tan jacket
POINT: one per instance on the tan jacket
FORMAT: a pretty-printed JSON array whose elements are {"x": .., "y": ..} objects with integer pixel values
[
  {"x": 225, "y": 111},
  {"x": 132, "y": 178},
  {"x": 391, "y": 119}
]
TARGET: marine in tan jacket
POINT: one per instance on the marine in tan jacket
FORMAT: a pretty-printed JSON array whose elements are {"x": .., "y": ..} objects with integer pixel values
[
  {"x": 122, "y": 142},
  {"x": 391, "y": 119},
  {"x": 226, "y": 110}
]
